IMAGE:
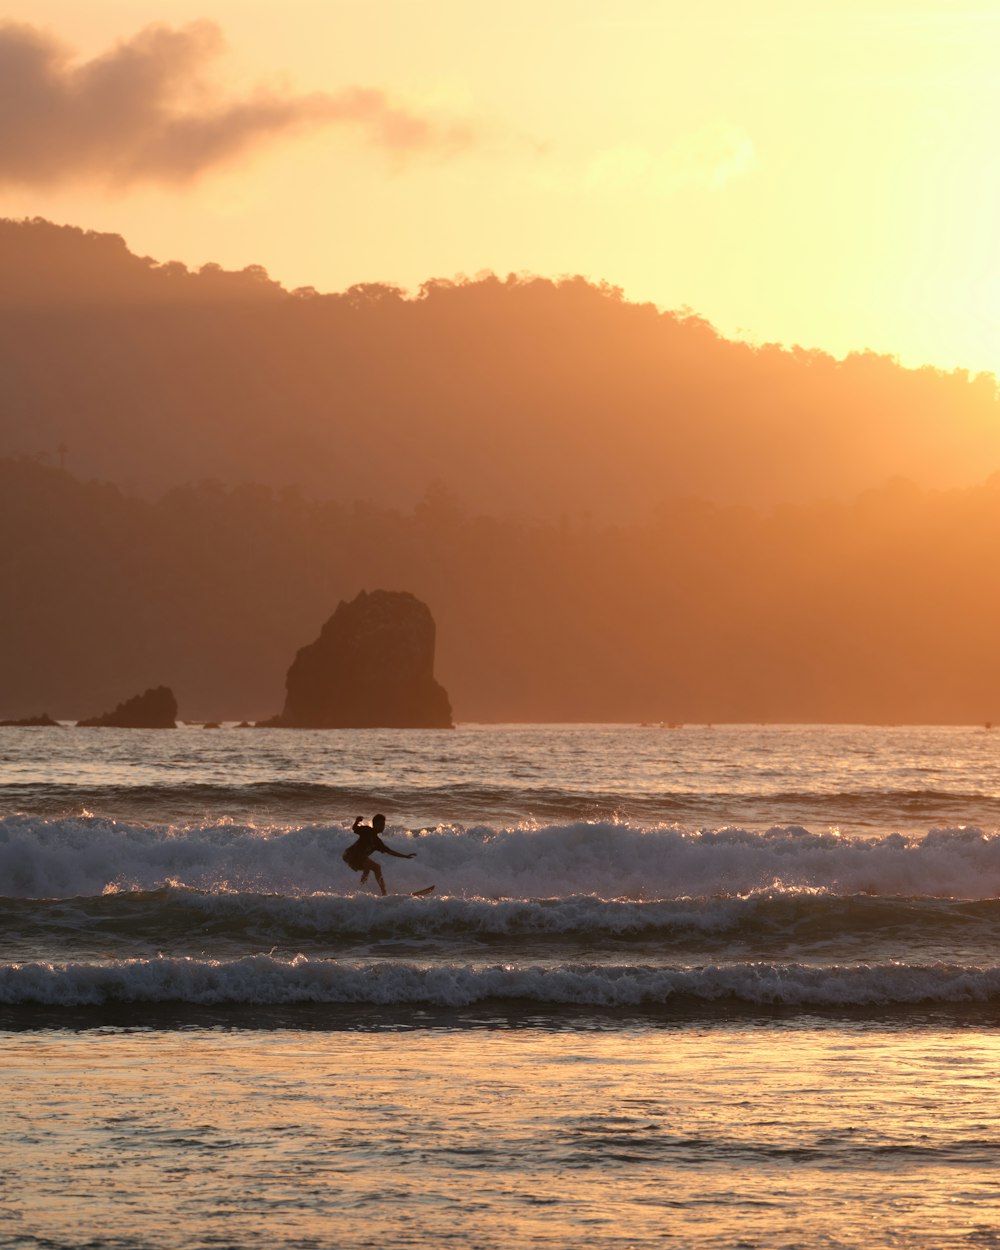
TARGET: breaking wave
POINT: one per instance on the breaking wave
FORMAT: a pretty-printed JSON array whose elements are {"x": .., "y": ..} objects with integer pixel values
[
  {"x": 180, "y": 918},
  {"x": 79, "y": 857},
  {"x": 263, "y": 980}
]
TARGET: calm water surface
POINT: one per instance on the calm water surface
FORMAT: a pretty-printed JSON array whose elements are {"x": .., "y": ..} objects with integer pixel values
[{"x": 703, "y": 1137}]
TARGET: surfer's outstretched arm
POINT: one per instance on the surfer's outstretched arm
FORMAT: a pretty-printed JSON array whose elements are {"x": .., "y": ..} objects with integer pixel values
[{"x": 381, "y": 846}]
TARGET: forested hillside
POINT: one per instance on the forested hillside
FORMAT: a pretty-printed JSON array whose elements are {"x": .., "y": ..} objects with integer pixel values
[
  {"x": 521, "y": 395},
  {"x": 881, "y": 609}
]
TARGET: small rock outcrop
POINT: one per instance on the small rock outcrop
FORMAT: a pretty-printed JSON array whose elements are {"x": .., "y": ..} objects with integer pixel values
[
  {"x": 154, "y": 709},
  {"x": 44, "y": 721},
  {"x": 372, "y": 667}
]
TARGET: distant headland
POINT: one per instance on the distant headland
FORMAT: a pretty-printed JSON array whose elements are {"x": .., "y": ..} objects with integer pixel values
[
  {"x": 156, "y": 708},
  {"x": 372, "y": 666}
]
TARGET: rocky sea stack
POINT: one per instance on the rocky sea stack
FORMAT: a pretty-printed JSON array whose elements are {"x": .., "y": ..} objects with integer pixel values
[
  {"x": 372, "y": 667},
  {"x": 155, "y": 709}
]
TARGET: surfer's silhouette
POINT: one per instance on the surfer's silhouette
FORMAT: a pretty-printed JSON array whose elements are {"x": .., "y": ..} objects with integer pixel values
[{"x": 359, "y": 855}]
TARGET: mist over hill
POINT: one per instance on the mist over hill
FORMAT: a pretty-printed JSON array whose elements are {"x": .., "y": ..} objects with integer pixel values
[
  {"x": 520, "y": 395},
  {"x": 882, "y": 609},
  {"x": 613, "y": 512}
]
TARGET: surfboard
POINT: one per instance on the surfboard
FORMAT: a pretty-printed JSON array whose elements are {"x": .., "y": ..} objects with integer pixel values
[{"x": 428, "y": 889}]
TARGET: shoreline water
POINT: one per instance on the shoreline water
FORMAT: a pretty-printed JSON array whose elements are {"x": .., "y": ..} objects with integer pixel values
[
  {"x": 496, "y": 1016},
  {"x": 709, "y": 1139}
]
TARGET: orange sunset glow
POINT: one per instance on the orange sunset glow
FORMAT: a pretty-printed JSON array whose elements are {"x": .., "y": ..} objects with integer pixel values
[
  {"x": 813, "y": 174},
  {"x": 499, "y": 684}
]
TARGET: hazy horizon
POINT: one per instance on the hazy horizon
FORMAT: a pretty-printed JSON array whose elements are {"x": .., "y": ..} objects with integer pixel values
[
  {"x": 613, "y": 513},
  {"x": 878, "y": 610}
]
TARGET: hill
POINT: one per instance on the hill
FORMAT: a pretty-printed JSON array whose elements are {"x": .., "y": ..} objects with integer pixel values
[
  {"x": 524, "y": 395},
  {"x": 881, "y": 609}
]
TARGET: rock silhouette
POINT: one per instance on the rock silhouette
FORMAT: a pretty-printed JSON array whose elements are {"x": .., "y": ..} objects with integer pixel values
[
  {"x": 44, "y": 721},
  {"x": 154, "y": 709},
  {"x": 371, "y": 667}
]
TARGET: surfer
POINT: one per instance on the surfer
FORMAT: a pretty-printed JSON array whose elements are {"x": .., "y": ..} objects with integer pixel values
[{"x": 359, "y": 855}]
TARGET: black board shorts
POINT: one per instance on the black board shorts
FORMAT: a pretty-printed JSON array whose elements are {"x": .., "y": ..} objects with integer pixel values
[{"x": 354, "y": 857}]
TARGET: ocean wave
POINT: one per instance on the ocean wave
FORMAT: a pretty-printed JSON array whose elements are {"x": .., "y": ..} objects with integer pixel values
[
  {"x": 175, "y": 914},
  {"x": 63, "y": 858},
  {"x": 294, "y": 801},
  {"x": 265, "y": 980}
]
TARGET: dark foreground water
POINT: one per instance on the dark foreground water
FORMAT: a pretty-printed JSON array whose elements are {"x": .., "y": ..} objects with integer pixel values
[{"x": 694, "y": 987}]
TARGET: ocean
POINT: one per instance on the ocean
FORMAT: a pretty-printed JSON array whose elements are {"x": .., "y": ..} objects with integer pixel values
[{"x": 731, "y": 986}]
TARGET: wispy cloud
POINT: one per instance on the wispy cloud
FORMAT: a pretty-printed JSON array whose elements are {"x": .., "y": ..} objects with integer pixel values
[
  {"x": 710, "y": 157},
  {"x": 144, "y": 111}
]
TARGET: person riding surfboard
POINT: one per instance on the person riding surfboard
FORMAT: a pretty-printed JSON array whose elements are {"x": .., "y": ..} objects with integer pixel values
[{"x": 359, "y": 854}]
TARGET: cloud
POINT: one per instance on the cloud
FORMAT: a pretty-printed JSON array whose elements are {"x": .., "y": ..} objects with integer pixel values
[
  {"x": 144, "y": 111},
  {"x": 710, "y": 157}
]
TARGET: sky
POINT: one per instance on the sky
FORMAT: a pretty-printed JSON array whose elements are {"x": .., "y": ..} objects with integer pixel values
[{"x": 823, "y": 174}]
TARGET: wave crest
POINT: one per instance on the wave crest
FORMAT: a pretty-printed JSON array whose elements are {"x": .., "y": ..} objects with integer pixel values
[
  {"x": 260, "y": 980},
  {"x": 84, "y": 857}
]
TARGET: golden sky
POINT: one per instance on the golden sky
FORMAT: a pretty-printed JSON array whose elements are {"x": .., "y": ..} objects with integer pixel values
[{"x": 823, "y": 173}]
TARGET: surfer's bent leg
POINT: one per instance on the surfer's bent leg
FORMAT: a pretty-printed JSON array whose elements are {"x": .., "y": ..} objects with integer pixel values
[{"x": 367, "y": 866}]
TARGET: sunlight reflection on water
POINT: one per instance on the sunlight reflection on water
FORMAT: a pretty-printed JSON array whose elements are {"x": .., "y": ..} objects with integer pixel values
[
  {"x": 708, "y": 1137},
  {"x": 859, "y": 778}
]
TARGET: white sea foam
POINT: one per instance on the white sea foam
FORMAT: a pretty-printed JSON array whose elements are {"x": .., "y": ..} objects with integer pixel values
[
  {"x": 264, "y": 980},
  {"x": 75, "y": 857}
]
